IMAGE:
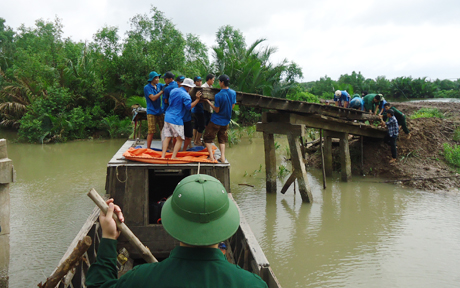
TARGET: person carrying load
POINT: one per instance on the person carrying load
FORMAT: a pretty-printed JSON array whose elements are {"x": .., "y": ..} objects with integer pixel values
[{"x": 152, "y": 92}]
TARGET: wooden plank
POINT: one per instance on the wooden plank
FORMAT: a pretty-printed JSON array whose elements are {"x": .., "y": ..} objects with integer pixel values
[
  {"x": 299, "y": 168},
  {"x": 345, "y": 161},
  {"x": 135, "y": 204},
  {"x": 281, "y": 128},
  {"x": 269, "y": 277}
]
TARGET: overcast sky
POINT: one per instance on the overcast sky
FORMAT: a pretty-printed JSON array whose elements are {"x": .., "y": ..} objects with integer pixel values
[{"x": 418, "y": 38}]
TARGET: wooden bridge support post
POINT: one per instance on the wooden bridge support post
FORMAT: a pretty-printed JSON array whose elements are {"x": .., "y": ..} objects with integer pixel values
[
  {"x": 299, "y": 168},
  {"x": 6, "y": 177},
  {"x": 270, "y": 162},
  {"x": 345, "y": 161},
  {"x": 328, "y": 153}
]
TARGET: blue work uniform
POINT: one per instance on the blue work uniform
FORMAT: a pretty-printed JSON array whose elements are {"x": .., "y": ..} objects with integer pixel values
[
  {"x": 345, "y": 97},
  {"x": 223, "y": 100},
  {"x": 153, "y": 107},
  {"x": 179, "y": 103},
  {"x": 166, "y": 94},
  {"x": 357, "y": 103}
]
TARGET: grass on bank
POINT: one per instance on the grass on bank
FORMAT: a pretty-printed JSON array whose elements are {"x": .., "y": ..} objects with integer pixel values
[
  {"x": 427, "y": 113},
  {"x": 452, "y": 154}
]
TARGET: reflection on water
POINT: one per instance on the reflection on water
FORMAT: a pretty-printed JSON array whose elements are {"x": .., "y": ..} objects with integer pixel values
[{"x": 358, "y": 234}]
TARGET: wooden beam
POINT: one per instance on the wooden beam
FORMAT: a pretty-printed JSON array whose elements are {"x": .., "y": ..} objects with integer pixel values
[
  {"x": 327, "y": 153},
  {"x": 281, "y": 128},
  {"x": 345, "y": 161},
  {"x": 328, "y": 123},
  {"x": 288, "y": 183},
  {"x": 260, "y": 101},
  {"x": 299, "y": 168},
  {"x": 270, "y": 163},
  {"x": 322, "y": 157}
]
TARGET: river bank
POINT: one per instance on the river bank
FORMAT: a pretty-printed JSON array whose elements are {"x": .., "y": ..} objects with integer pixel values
[{"x": 421, "y": 163}]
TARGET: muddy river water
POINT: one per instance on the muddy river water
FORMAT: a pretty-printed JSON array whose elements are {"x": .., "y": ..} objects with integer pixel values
[{"x": 358, "y": 234}]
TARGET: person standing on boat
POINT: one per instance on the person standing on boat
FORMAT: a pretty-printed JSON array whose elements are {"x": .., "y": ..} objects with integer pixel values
[
  {"x": 198, "y": 117},
  {"x": 152, "y": 92},
  {"x": 224, "y": 102},
  {"x": 206, "y": 107},
  {"x": 200, "y": 215},
  {"x": 171, "y": 84},
  {"x": 179, "y": 103}
]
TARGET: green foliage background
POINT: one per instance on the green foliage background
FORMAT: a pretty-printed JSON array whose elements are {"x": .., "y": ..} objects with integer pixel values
[{"x": 55, "y": 89}]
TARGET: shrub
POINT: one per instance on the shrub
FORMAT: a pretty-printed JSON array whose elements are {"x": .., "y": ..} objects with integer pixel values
[
  {"x": 452, "y": 154},
  {"x": 427, "y": 113},
  {"x": 304, "y": 96},
  {"x": 117, "y": 128},
  {"x": 457, "y": 134}
]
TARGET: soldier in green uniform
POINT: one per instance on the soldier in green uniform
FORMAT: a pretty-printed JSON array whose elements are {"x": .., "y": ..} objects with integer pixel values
[
  {"x": 200, "y": 215},
  {"x": 401, "y": 117}
]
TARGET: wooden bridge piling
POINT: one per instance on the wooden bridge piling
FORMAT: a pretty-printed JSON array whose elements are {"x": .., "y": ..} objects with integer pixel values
[
  {"x": 6, "y": 177},
  {"x": 299, "y": 168}
]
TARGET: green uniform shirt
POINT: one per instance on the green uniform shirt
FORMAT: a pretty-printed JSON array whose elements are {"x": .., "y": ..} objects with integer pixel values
[
  {"x": 185, "y": 267},
  {"x": 369, "y": 102},
  {"x": 399, "y": 115}
]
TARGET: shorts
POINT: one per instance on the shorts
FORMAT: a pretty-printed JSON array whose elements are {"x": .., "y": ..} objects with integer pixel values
[
  {"x": 188, "y": 129},
  {"x": 213, "y": 129},
  {"x": 172, "y": 131},
  {"x": 152, "y": 120},
  {"x": 199, "y": 122}
]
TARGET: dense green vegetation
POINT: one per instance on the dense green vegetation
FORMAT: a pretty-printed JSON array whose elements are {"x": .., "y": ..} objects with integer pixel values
[
  {"x": 452, "y": 154},
  {"x": 55, "y": 89},
  {"x": 427, "y": 113}
]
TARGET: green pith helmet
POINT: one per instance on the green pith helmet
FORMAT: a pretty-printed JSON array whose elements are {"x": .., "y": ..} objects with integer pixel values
[{"x": 199, "y": 212}]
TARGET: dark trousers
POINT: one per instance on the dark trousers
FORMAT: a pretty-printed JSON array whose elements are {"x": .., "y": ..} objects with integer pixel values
[
  {"x": 207, "y": 117},
  {"x": 392, "y": 142}
]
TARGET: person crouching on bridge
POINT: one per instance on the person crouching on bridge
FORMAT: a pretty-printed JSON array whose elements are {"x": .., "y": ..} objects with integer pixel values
[
  {"x": 152, "y": 92},
  {"x": 179, "y": 103},
  {"x": 393, "y": 132},
  {"x": 224, "y": 102},
  {"x": 342, "y": 98},
  {"x": 357, "y": 103}
]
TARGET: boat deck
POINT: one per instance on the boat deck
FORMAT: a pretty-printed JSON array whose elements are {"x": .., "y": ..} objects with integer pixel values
[{"x": 118, "y": 158}]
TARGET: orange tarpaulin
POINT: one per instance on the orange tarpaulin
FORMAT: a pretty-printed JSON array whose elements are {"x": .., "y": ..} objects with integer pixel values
[{"x": 151, "y": 156}]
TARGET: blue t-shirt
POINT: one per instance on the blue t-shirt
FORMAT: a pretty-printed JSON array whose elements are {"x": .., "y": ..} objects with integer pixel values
[
  {"x": 357, "y": 103},
  {"x": 223, "y": 100},
  {"x": 166, "y": 94},
  {"x": 179, "y": 102},
  {"x": 345, "y": 97},
  {"x": 153, "y": 107},
  {"x": 382, "y": 105},
  {"x": 198, "y": 109}
]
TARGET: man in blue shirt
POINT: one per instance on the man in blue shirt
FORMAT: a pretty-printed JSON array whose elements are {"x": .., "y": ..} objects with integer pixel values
[
  {"x": 198, "y": 117},
  {"x": 179, "y": 103},
  {"x": 171, "y": 84},
  {"x": 342, "y": 98},
  {"x": 224, "y": 101},
  {"x": 152, "y": 92},
  {"x": 357, "y": 103},
  {"x": 393, "y": 132}
]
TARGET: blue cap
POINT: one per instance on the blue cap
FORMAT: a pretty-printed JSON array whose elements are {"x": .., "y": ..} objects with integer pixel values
[
  {"x": 197, "y": 78},
  {"x": 152, "y": 75},
  {"x": 180, "y": 78},
  {"x": 222, "y": 246}
]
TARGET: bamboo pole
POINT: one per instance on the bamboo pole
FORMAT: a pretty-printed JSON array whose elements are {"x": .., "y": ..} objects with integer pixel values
[
  {"x": 68, "y": 263},
  {"x": 322, "y": 157},
  {"x": 133, "y": 240}
]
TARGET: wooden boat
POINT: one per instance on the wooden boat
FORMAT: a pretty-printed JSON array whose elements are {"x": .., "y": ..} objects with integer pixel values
[{"x": 137, "y": 187}]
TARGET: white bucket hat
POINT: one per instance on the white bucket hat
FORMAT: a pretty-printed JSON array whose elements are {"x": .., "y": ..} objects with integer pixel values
[
  {"x": 338, "y": 93},
  {"x": 188, "y": 82}
]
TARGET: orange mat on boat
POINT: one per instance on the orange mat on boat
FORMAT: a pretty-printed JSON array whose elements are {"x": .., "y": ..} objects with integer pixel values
[{"x": 151, "y": 156}]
